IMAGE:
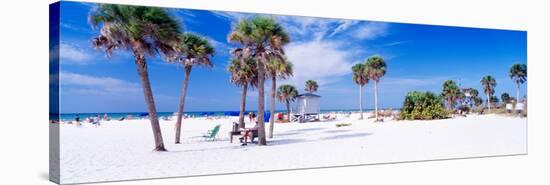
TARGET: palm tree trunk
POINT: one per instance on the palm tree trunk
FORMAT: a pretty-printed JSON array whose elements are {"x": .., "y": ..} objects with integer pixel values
[
  {"x": 149, "y": 100},
  {"x": 243, "y": 104},
  {"x": 287, "y": 110},
  {"x": 517, "y": 93},
  {"x": 376, "y": 99},
  {"x": 361, "y": 101},
  {"x": 182, "y": 102},
  {"x": 261, "y": 101},
  {"x": 272, "y": 104},
  {"x": 488, "y": 102}
]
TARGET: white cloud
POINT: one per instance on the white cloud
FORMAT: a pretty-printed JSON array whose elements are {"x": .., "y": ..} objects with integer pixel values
[
  {"x": 93, "y": 85},
  {"x": 71, "y": 54},
  {"x": 322, "y": 61},
  {"x": 344, "y": 25},
  {"x": 231, "y": 16},
  {"x": 370, "y": 30}
]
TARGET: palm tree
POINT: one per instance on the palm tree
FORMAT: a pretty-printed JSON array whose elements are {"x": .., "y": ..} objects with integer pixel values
[
  {"x": 261, "y": 38},
  {"x": 360, "y": 78},
  {"x": 276, "y": 68},
  {"x": 505, "y": 97},
  {"x": 473, "y": 95},
  {"x": 244, "y": 74},
  {"x": 193, "y": 51},
  {"x": 143, "y": 31},
  {"x": 489, "y": 83},
  {"x": 518, "y": 73},
  {"x": 287, "y": 93},
  {"x": 450, "y": 92},
  {"x": 311, "y": 86},
  {"x": 375, "y": 68}
]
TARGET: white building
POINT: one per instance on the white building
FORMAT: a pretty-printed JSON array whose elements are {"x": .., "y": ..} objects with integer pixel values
[{"x": 307, "y": 108}]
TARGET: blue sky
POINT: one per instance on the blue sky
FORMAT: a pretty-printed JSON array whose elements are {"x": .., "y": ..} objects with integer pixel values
[{"x": 419, "y": 57}]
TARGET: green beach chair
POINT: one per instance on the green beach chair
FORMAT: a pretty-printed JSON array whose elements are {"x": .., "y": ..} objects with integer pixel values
[{"x": 211, "y": 134}]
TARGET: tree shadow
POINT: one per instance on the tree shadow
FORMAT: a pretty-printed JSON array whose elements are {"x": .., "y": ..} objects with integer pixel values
[
  {"x": 346, "y": 136},
  {"x": 336, "y": 131},
  {"x": 285, "y": 141},
  {"x": 287, "y": 134},
  {"x": 308, "y": 129}
]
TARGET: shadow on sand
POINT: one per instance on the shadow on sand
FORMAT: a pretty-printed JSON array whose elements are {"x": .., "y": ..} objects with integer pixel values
[
  {"x": 307, "y": 129},
  {"x": 336, "y": 131},
  {"x": 293, "y": 141},
  {"x": 287, "y": 134},
  {"x": 346, "y": 136}
]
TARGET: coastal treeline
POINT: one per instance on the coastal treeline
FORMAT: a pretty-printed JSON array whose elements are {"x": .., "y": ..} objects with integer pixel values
[
  {"x": 456, "y": 100},
  {"x": 148, "y": 32}
]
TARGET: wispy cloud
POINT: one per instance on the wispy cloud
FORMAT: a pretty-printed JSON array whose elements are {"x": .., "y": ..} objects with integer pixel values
[
  {"x": 370, "y": 30},
  {"x": 76, "y": 28},
  {"x": 96, "y": 85},
  {"x": 72, "y": 54},
  {"x": 395, "y": 43},
  {"x": 344, "y": 25},
  {"x": 231, "y": 16}
]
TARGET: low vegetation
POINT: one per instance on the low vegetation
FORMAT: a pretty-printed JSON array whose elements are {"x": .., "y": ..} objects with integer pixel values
[{"x": 423, "y": 106}]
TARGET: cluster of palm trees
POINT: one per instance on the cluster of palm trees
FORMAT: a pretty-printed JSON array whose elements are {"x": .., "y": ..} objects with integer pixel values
[
  {"x": 373, "y": 69},
  {"x": 452, "y": 93},
  {"x": 260, "y": 54},
  {"x": 151, "y": 31}
]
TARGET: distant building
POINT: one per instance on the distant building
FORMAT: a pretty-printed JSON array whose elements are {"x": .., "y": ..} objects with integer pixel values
[{"x": 307, "y": 108}]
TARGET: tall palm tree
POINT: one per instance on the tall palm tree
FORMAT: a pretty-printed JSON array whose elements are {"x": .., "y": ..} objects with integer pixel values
[
  {"x": 276, "y": 68},
  {"x": 287, "y": 93},
  {"x": 518, "y": 73},
  {"x": 311, "y": 86},
  {"x": 261, "y": 38},
  {"x": 360, "y": 78},
  {"x": 193, "y": 51},
  {"x": 143, "y": 31},
  {"x": 473, "y": 95},
  {"x": 489, "y": 83},
  {"x": 375, "y": 68},
  {"x": 450, "y": 92},
  {"x": 244, "y": 74}
]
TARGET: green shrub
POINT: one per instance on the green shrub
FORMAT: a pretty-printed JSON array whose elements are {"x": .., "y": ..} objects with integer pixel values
[{"x": 423, "y": 106}]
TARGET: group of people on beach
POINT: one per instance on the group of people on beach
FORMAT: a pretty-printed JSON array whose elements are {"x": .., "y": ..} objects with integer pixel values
[{"x": 95, "y": 120}]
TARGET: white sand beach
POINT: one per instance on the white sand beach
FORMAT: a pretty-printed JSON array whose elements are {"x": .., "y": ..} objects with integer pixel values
[{"x": 121, "y": 150}]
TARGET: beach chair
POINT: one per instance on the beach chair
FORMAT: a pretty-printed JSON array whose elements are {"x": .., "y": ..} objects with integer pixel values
[{"x": 211, "y": 134}]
